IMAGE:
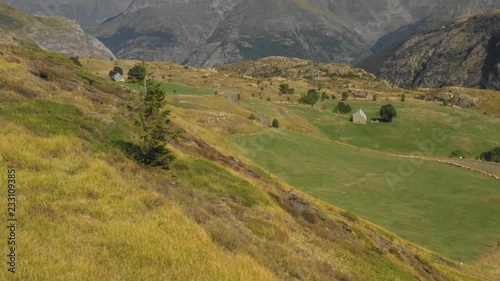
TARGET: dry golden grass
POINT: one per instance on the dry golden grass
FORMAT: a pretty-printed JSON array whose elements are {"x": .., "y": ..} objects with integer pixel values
[{"x": 83, "y": 219}]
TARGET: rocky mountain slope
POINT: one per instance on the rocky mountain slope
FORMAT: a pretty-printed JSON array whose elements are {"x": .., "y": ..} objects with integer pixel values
[
  {"x": 88, "y": 13},
  {"x": 208, "y": 32},
  {"x": 463, "y": 52},
  {"x": 212, "y": 32},
  {"x": 53, "y": 33}
]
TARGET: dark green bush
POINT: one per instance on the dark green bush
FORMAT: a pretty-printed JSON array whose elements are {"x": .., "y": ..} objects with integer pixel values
[
  {"x": 491, "y": 156},
  {"x": 342, "y": 108}
]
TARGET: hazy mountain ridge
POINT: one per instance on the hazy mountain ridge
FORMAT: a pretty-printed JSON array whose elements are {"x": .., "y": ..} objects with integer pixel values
[
  {"x": 209, "y": 32},
  {"x": 463, "y": 52},
  {"x": 53, "y": 33}
]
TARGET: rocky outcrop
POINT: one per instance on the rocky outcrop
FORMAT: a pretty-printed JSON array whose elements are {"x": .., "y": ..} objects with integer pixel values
[
  {"x": 69, "y": 40},
  {"x": 458, "y": 99},
  {"x": 52, "y": 33}
]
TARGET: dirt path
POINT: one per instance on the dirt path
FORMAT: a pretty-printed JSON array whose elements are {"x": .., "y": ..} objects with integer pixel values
[
  {"x": 263, "y": 119},
  {"x": 447, "y": 162}
]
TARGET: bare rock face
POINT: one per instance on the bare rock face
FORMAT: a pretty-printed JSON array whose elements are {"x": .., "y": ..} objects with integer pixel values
[
  {"x": 70, "y": 40},
  {"x": 453, "y": 98},
  {"x": 52, "y": 33}
]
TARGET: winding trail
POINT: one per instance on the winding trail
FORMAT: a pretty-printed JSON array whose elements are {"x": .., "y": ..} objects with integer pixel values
[
  {"x": 263, "y": 119},
  {"x": 448, "y": 163}
]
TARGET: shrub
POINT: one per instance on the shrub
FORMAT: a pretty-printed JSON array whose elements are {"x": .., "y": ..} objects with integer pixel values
[
  {"x": 324, "y": 96},
  {"x": 374, "y": 97},
  {"x": 387, "y": 113},
  {"x": 343, "y": 108},
  {"x": 491, "y": 156},
  {"x": 403, "y": 98},
  {"x": 275, "y": 123},
  {"x": 310, "y": 98},
  {"x": 138, "y": 72},
  {"x": 345, "y": 96},
  {"x": 284, "y": 89}
]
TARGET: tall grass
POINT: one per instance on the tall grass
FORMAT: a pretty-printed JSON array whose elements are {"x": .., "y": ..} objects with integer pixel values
[{"x": 80, "y": 218}]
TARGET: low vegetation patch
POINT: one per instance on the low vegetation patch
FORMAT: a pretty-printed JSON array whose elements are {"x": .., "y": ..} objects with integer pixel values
[{"x": 311, "y": 98}]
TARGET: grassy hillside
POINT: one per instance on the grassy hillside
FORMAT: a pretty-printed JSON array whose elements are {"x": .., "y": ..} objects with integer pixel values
[
  {"x": 426, "y": 204},
  {"x": 86, "y": 211},
  {"x": 340, "y": 162},
  {"x": 416, "y": 123}
]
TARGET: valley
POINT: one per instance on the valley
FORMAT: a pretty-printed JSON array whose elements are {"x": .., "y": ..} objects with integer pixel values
[
  {"x": 253, "y": 169},
  {"x": 353, "y": 166}
]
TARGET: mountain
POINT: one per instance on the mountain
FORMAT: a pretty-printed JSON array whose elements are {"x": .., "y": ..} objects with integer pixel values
[
  {"x": 89, "y": 13},
  {"x": 208, "y": 32},
  {"x": 213, "y": 32},
  {"x": 53, "y": 33},
  {"x": 213, "y": 216},
  {"x": 463, "y": 52}
]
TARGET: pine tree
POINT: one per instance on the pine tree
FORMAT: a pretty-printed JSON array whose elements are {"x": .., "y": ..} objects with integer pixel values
[{"x": 147, "y": 108}]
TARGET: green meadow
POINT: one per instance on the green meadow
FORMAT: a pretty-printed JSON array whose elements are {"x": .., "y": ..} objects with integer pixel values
[
  {"x": 176, "y": 89},
  {"x": 447, "y": 209},
  {"x": 417, "y": 122}
]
